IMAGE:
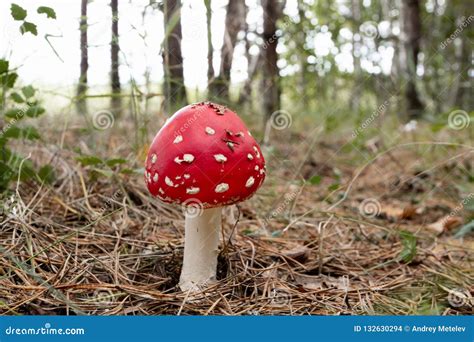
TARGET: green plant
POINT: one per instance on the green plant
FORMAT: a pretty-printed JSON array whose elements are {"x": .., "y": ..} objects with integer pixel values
[{"x": 16, "y": 105}]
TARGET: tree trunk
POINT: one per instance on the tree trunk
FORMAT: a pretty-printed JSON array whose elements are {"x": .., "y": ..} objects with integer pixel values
[
  {"x": 411, "y": 29},
  {"x": 357, "y": 88},
  {"x": 272, "y": 11},
  {"x": 82, "y": 85},
  {"x": 116, "y": 102},
  {"x": 174, "y": 89},
  {"x": 234, "y": 22},
  {"x": 210, "y": 49},
  {"x": 245, "y": 95}
]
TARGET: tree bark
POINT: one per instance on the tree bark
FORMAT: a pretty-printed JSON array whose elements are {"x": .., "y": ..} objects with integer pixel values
[
  {"x": 116, "y": 102},
  {"x": 272, "y": 11},
  {"x": 174, "y": 88},
  {"x": 245, "y": 94},
  {"x": 210, "y": 49},
  {"x": 411, "y": 28},
  {"x": 357, "y": 88},
  {"x": 82, "y": 85},
  {"x": 234, "y": 22}
]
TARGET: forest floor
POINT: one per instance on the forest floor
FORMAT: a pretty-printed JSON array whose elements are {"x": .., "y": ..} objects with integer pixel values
[{"x": 337, "y": 228}]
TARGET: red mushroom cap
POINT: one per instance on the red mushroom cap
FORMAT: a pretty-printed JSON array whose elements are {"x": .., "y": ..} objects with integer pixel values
[{"x": 204, "y": 154}]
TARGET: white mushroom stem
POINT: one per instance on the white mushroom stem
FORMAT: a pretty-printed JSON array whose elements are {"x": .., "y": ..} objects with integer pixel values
[{"x": 201, "y": 244}]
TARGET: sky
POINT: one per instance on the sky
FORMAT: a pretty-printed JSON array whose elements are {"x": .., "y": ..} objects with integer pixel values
[{"x": 140, "y": 40}]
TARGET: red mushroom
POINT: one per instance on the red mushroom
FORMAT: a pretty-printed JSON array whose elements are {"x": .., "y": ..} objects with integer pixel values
[{"x": 203, "y": 157}]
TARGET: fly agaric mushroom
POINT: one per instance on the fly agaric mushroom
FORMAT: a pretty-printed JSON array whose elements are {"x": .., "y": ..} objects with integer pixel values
[{"x": 203, "y": 158}]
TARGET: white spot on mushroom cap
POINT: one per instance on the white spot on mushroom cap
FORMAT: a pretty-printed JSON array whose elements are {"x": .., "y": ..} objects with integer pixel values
[
  {"x": 192, "y": 190},
  {"x": 256, "y": 167},
  {"x": 178, "y": 139},
  {"x": 222, "y": 187},
  {"x": 155, "y": 177},
  {"x": 153, "y": 158},
  {"x": 257, "y": 154},
  {"x": 187, "y": 176},
  {"x": 250, "y": 182},
  {"x": 262, "y": 171},
  {"x": 168, "y": 181},
  {"x": 220, "y": 158},
  {"x": 210, "y": 131},
  {"x": 250, "y": 134},
  {"x": 249, "y": 156},
  {"x": 187, "y": 158},
  {"x": 160, "y": 190}
]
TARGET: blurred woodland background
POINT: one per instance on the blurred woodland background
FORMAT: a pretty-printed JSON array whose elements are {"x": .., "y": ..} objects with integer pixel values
[{"x": 364, "y": 110}]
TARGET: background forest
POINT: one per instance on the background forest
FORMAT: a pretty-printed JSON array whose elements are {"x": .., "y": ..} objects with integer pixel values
[{"x": 364, "y": 113}]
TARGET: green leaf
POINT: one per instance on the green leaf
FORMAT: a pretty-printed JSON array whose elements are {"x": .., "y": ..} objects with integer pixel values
[
  {"x": 17, "y": 97},
  {"x": 409, "y": 246},
  {"x": 28, "y": 27},
  {"x": 27, "y": 171},
  {"x": 29, "y": 133},
  {"x": 333, "y": 187},
  {"x": 3, "y": 66},
  {"x": 315, "y": 180},
  {"x": 8, "y": 80},
  {"x": 276, "y": 233},
  {"x": 89, "y": 160},
  {"x": 6, "y": 175},
  {"x": 28, "y": 91},
  {"x": 18, "y": 12},
  {"x": 35, "y": 111},
  {"x": 50, "y": 13},
  {"x": 106, "y": 173},
  {"x": 46, "y": 174},
  {"x": 115, "y": 161},
  {"x": 15, "y": 113},
  {"x": 127, "y": 171},
  {"x": 465, "y": 230}
]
